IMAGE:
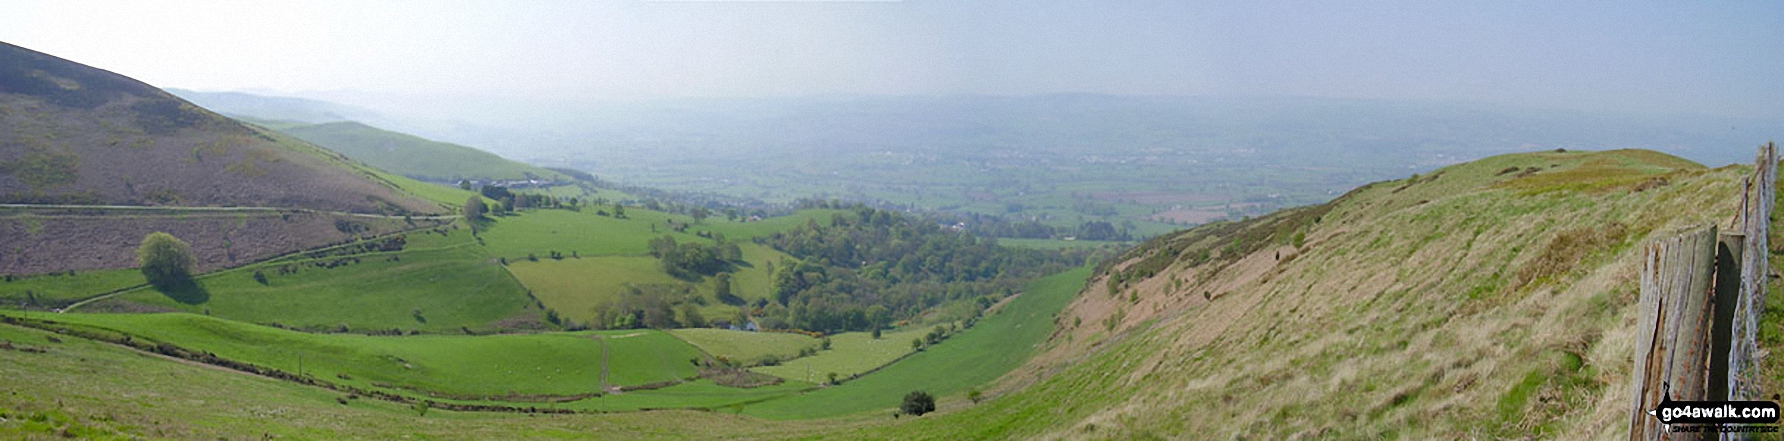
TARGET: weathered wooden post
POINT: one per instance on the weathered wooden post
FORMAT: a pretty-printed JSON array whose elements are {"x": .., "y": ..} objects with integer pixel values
[
  {"x": 1755, "y": 224},
  {"x": 1728, "y": 293},
  {"x": 1673, "y": 335}
]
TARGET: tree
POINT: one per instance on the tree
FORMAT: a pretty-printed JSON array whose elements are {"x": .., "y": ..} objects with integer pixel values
[
  {"x": 700, "y": 214},
  {"x": 917, "y": 403},
  {"x": 691, "y": 317},
  {"x": 721, "y": 290},
  {"x": 165, "y": 260},
  {"x": 976, "y": 395},
  {"x": 474, "y": 208}
]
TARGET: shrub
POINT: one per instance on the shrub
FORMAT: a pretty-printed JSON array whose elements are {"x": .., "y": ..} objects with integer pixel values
[
  {"x": 165, "y": 260},
  {"x": 917, "y": 403}
]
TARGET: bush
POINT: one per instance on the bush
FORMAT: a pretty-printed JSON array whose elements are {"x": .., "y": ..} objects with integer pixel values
[
  {"x": 917, "y": 403},
  {"x": 165, "y": 260}
]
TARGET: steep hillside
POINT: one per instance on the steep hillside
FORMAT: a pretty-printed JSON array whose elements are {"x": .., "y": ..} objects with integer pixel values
[
  {"x": 416, "y": 157},
  {"x": 76, "y": 134},
  {"x": 1487, "y": 299}
]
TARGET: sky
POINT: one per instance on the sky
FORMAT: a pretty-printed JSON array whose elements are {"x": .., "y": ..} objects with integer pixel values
[{"x": 1707, "y": 57}]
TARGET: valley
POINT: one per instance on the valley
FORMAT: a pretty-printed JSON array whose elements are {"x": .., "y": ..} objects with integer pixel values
[{"x": 882, "y": 220}]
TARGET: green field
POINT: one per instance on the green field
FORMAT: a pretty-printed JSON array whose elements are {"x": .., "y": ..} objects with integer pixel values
[
  {"x": 449, "y": 279},
  {"x": 575, "y": 286},
  {"x": 602, "y": 256},
  {"x": 492, "y": 365},
  {"x": 999, "y": 343},
  {"x": 850, "y": 353},
  {"x": 95, "y": 390},
  {"x": 540, "y": 232},
  {"x": 55, "y": 290},
  {"x": 745, "y": 346}
]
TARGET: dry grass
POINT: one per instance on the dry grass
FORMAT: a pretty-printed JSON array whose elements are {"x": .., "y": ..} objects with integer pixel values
[{"x": 1453, "y": 308}]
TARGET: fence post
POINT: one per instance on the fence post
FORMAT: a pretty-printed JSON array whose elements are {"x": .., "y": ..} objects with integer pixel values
[
  {"x": 1673, "y": 335},
  {"x": 1727, "y": 297},
  {"x": 1755, "y": 224}
]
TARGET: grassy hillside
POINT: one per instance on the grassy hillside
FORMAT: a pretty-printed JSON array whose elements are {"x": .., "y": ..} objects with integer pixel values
[
  {"x": 416, "y": 157},
  {"x": 74, "y": 134},
  {"x": 1487, "y": 299},
  {"x": 999, "y": 343},
  {"x": 564, "y": 364},
  {"x": 440, "y": 280},
  {"x": 605, "y": 257}
]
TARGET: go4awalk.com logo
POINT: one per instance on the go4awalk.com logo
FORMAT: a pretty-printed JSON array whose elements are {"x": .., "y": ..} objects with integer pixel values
[{"x": 1716, "y": 416}]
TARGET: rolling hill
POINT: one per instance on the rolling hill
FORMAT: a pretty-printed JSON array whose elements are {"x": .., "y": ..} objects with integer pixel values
[
  {"x": 416, "y": 157},
  {"x": 299, "y": 110},
  {"x": 75, "y": 135},
  {"x": 344, "y": 129}
]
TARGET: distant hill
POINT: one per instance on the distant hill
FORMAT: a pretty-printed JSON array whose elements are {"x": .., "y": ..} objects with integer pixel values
[
  {"x": 416, "y": 157},
  {"x": 343, "y": 129},
  {"x": 80, "y": 135},
  {"x": 272, "y": 107}
]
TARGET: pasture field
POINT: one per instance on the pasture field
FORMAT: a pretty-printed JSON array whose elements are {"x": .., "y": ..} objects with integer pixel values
[
  {"x": 978, "y": 356},
  {"x": 541, "y": 231},
  {"x": 574, "y": 286},
  {"x": 457, "y": 365},
  {"x": 449, "y": 198},
  {"x": 699, "y": 394},
  {"x": 58, "y": 289},
  {"x": 744, "y": 346},
  {"x": 850, "y": 353},
  {"x": 999, "y": 343},
  {"x": 96, "y": 390},
  {"x": 448, "y": 279}
]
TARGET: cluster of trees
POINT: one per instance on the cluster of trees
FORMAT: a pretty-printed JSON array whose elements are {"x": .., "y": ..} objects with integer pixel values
[
  {"x": 657, "y": 306},
  {"x": 1099, "y": 230},
  {"x": 866, "y": 268},
  {"x": 693, "y": 260}
]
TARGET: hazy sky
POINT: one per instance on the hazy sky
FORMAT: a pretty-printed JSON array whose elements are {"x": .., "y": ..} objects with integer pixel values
[{"x": 1700, "y": 56}]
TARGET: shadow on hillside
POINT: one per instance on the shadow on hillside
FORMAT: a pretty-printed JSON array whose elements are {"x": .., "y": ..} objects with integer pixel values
[{"x": 185, "y": 291}]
